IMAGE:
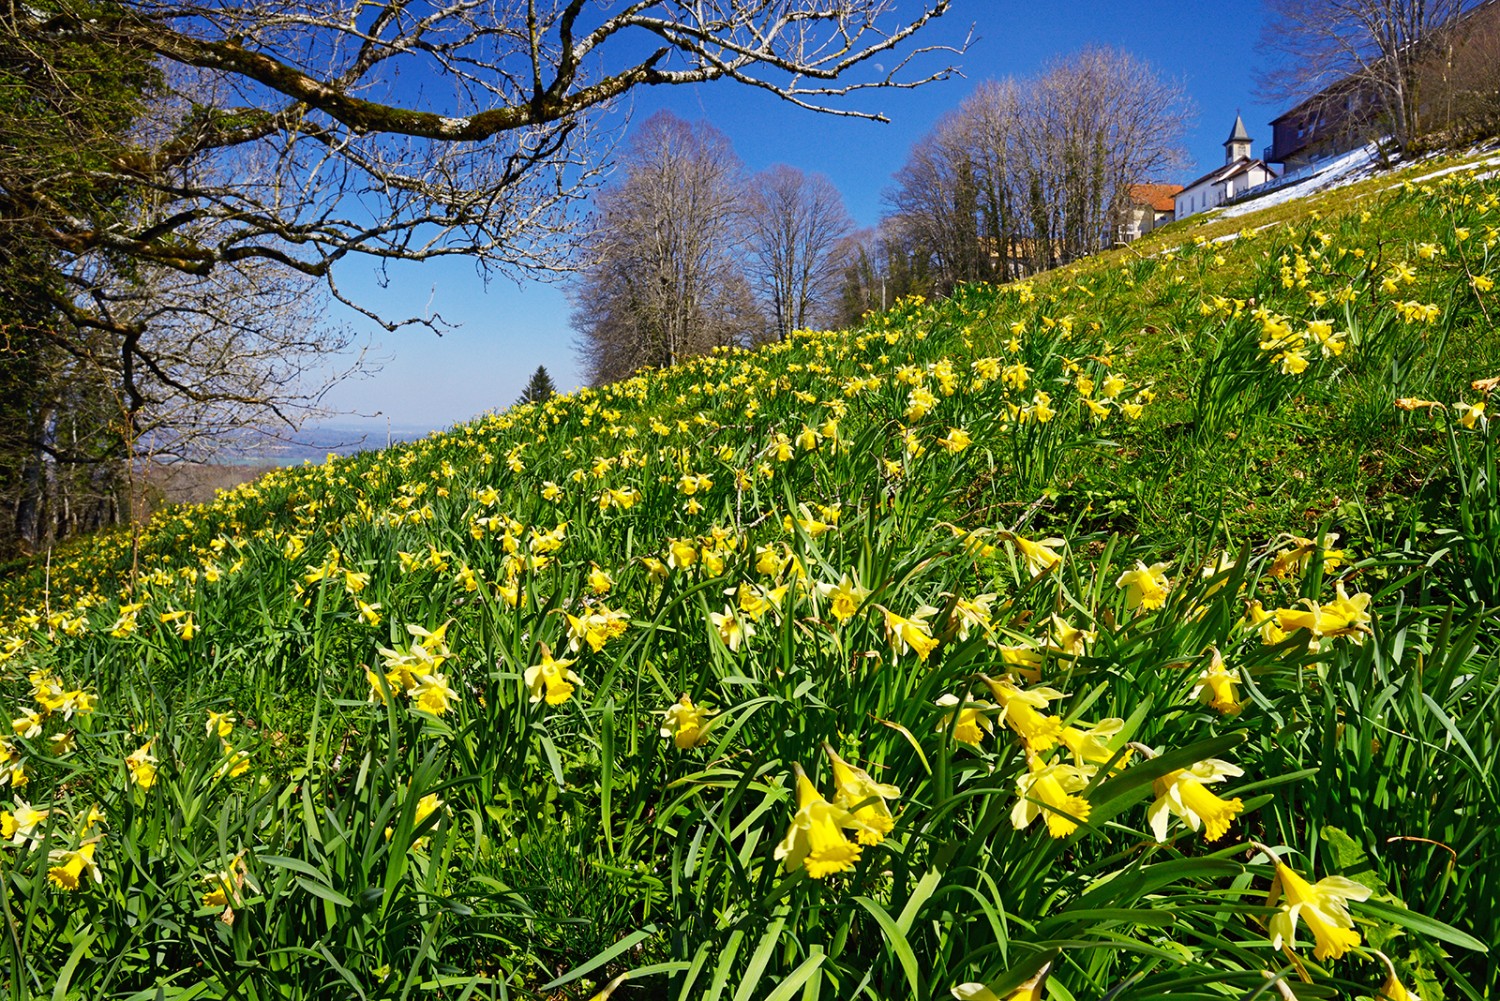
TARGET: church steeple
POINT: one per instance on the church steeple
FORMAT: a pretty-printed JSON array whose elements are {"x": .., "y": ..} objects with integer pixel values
[{"x": 1237, "y": 146}]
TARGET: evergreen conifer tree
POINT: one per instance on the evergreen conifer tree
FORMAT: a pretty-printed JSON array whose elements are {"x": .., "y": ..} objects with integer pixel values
[{"x": 539, "y": 389}]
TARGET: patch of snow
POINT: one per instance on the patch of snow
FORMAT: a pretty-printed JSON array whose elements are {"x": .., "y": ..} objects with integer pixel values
[
  {"x": 1475, "y": 165},
  {"x": 1335, "y": 173}
]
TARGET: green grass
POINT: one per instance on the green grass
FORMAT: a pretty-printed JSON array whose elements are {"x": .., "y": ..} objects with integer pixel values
[{"x": 495, "y": 846}]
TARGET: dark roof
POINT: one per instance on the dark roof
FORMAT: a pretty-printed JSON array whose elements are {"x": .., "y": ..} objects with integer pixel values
[
  {"x": 1238, "y": 133},
  {"x": 1354, "y": 81}
]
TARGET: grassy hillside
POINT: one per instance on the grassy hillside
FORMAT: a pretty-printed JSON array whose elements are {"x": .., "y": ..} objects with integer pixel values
[{"x": 1133, "y": 627}]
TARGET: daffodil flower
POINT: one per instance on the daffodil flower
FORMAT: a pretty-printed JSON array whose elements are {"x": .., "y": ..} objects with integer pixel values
[
  {"x": 686, "y": 723},
  {"x": 1091, "y": 745},
  {"x": 732, "y": 629},
  {"x": 432, "y": 694},
  {"x": 1019, "y": 711},
  {"x": 973, "y": 722},
  {"x": 142, "y": 766},
  {"x": 226, "y": 888},
  {"x": 1031, "y": 990},
  {"x": 1323, "y": 905},
  {"x": 28, "y": 724},
  {"x": 1066, "y": 639},
  {"x": 19, "y": 828},
  {"x": 552, "y": 680},
  {"x": 956, "y": 441},
  {"x": 864, "y": 799},
  {"x": 844, "y": 598},
  {"x": 72, "y": 865},
  {"x": 220, "y": 724},
  {"x": 1470, "y": 415},
  {"x": 1183, "y": 793},
  {"x": 1040, "y": 555},
  {"x": 1050, "y": 789},
  {"x": 1216, "y": 686},
  {"x": 1145, "y": 587},
  {"x": 911, "y": 634},
  {"x": 815, "y": 840}
]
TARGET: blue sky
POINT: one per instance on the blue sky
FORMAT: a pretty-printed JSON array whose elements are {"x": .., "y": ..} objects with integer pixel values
[{"x": 506, "y": 331}]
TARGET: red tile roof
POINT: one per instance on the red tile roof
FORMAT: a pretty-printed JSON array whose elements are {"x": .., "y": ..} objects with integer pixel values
[{"x": 1158, "y": 196}]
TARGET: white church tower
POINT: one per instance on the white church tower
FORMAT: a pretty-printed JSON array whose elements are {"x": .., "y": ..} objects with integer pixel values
[
  {"x": 1237, "y": 146},
  {"x": 1240, "y": 173}
]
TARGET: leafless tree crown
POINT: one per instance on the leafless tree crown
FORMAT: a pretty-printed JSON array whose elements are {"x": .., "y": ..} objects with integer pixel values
[
  {"x": 1344, "y": 58},
  {"x": 797, "y": 231},
  {"x": 664, "y": 279},
  {"x": 181, "y": 218},
  {"x": 1026, "y": 174}
]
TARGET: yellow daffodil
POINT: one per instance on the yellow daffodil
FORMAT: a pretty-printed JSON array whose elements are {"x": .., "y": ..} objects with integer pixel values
[
  {"x": 956, "y": 441},
  {"x": 1323, "y": 905},
  {"x": 1293, "y": 562},
  {"x": 432, "y": 694},
  {"x": 1183, "y": 793},
  {"x": 1019, "y": 711},
  {"x": 71, "y": 865},
  {"x": 1031, "y": 990},
  {"x": 973, "y": 613},
  {"x": 552, "y": 680},
  {"x": 1145, "y": 587},
  {"x": 1091, "y": 745},
  {"x": 686, "y": 723},
  {"x": 844, "y": 598},
  {"x": 732, "y": 629},
  {"x": 226, "y": 888},
  {"x": 19, "y": 827},
  {"x": 595, "y": 628},
  {"x": 1257, "y": 618},
  {"x": 28, "y": 724},
  {"x": 426, "y": 807},
  {"x": 1393, "y": 989},
  {"x": 864, "y": 799},
  {"x": 815, "y": 840},
  {"x": 972, "y": 723},
  {"x": 1050, "y": 789},
  {"x": 142, "y": 766},
  {"x": 911, "y": 634},
  {"x": 1039, "y": 555},
  {"x": 220, "y": 724},
  {"x": 1216, "y": 686},
  {"x": 1346, "y": 615},
  {"x": 1065, "y": 639},
  {"x": 1470, "y": 415},
  {"x": 235, "y": 763},
  {"x": 681, "y": 554}
]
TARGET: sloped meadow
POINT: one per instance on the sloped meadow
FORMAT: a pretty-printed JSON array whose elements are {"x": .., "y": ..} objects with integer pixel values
[{"x": 1129, "y": 632}]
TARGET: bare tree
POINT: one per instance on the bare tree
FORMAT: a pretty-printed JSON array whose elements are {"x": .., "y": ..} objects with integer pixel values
[
  {"x": 155, "y": 153},
  {"x": 1341, "y": 54},
  {"x": 797, "y": 228},
  {"x": 665, "y": 278},
  {"x": 936, "y": 200},
  {"x": 295, "y": 124},
  {"x": 1028, "y": 174}
]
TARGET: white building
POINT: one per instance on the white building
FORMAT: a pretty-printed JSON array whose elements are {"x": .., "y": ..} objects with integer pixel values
[
  {"x": 1239, "y": 174},
  {"x": 1147, "y": 206}
]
